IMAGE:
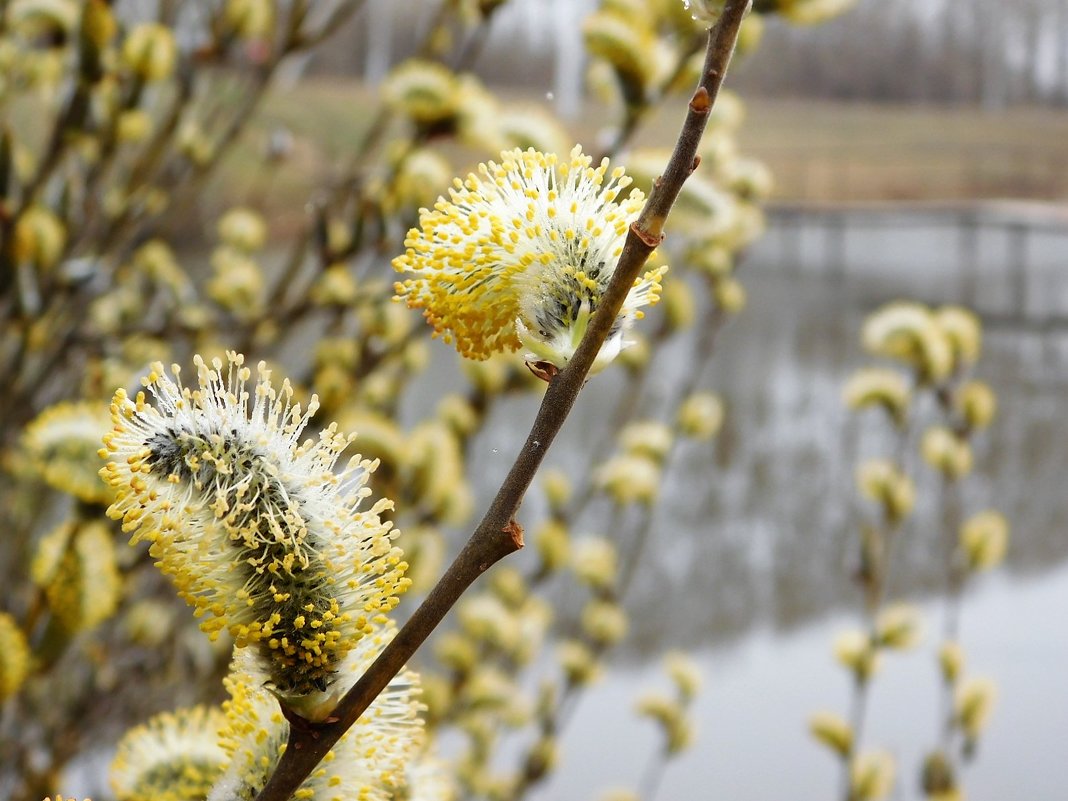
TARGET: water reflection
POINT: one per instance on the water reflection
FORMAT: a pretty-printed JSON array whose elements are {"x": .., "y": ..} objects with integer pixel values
[
  {"x": 754, "y": 529},
  {"x": 746, "y": 563},
  {"x": 752, "y": 743}
]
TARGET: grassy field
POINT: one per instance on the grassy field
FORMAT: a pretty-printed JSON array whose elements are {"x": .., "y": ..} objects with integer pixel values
[
  {"x": 818, "y": 151},
  {"x": 848, "y": 152}
]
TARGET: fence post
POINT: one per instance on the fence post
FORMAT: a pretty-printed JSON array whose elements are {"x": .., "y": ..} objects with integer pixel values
[
  {"x": 834, "y": 244},
  {"x": 1016, "y": 257},
  {"x": 968, "y": 263},
  {"x": 790, "y": 239}
]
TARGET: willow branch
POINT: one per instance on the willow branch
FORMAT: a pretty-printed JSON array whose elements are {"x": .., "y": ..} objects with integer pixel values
[{"x": 498, "y": 535}]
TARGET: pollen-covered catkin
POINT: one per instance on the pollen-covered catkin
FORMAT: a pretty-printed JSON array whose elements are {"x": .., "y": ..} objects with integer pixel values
[
  {"x": 255, "y": 528},
  {"x": 521, "y": 254}
]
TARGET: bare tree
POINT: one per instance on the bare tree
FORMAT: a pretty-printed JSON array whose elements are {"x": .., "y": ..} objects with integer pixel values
[{"x": 990, "y": 52}]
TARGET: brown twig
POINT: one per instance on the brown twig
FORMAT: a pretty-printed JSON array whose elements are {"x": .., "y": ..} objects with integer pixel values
[
  {"x": 495, "y": 536},
  {"x": 877, "y": 590}
]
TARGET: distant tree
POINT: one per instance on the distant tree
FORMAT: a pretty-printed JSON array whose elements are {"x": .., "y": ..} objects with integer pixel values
[{"x": 991, "y": 52}]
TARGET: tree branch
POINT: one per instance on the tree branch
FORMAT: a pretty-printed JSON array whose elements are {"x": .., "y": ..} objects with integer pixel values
[{"x": 498, "y": 534}]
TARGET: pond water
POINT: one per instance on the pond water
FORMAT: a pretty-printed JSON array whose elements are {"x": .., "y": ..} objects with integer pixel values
[
  {"x": 747, "y": 564},
  {"x": 752, "y": 741}
]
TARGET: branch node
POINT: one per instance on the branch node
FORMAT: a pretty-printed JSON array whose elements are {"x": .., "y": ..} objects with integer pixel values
[
  {"x": 546, "y": 371},
  {"x": 295, "y": 721},
  {"x": 648, "y": 238},
  {"x": 300, "y": 728},
  {"x": 696, "y": 163},
  {"x": 515, "y": 531},
  {"x": 701, "y": 102}
]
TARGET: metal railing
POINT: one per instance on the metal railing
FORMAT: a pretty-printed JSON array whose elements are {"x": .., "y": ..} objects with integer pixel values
[{"x": 1008, "y": 260}]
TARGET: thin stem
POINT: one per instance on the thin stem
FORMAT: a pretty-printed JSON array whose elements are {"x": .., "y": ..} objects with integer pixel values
[
  {"x": 475, "y": 43},
  {"x": 956, "y": 574},
  {"x": 498, "y": 534},
  {"x": 626, "y": 407},
  {"x": 633, "y": 115},
  {"x": 877, "y": 593},
  {"x": 637, "y": 111},
  {"x": 858, "y": 710},
  {"x": 654, "y": 774},
  {"x": 704, "y": 351},
  {"x": 570, "y": 698}
]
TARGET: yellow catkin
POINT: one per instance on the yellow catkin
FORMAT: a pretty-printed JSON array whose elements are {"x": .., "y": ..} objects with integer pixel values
[
  {"x": 286, "y": 560},
  {"x": 175, "y": 756},
  {"x": 367, "y": 763},
  {"x": 520, "y": 254},
  {"x": 61, "y": 444},
  {"x": 14, "y": 656}
]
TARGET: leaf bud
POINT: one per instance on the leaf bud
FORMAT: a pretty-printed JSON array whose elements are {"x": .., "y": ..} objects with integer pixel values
[
  {"x": 595, "y": 562},
  {"x": 729, "y": 295},
  {"x": 832, "y": 731},
  {"x": 243, "y": 228},
  {"x": 684, "y": 673},
  {"x": 984, "y": 538},
  {"x": 700, "y": 416},
  {"x": 884, "y": 483},
  {"x": 974, "y": 701},
  {"x": 150, "y": 52},
  {"x": 937, "y": 778},
  {"x": 39, "y": 237},
  {"x": 649, "y": 438},
  {"x": 629, "y": 479},
  {"x": 855, "y": 651},
  {"x": 14, "y": 656},
  {"x": 604, "y": 622},
  {"x": 558, "y": 489},
  {"x": 964, "y": 332},
  {"x": 951, "y": 661},
  {"x": 678, "y": 303},
  {"x": 977, "y": 404},
  {"x": 946, "y": 452},
  {"x": 899, "y": 627},
  {"x": 910, "y": 333},
  {"x": 878, "y": 386},
  {"x": 553, "y": 543},
  {"x": 578, "y": 662},
  {"x": 871, "y": 776}
]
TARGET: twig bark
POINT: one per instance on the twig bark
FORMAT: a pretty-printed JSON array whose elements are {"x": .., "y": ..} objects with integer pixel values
[
  {"x": 876, "y": 592},
  {"x": 498, "y": 534}
]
